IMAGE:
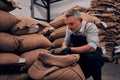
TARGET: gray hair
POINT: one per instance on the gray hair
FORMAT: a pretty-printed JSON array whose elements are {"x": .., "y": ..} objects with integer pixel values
[{"x": 74, "y": 13}]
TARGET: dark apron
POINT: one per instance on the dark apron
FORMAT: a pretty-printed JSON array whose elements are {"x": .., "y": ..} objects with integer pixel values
[
  {"x": 78, "y": 40},
  {"x": 90, "y": 61}
]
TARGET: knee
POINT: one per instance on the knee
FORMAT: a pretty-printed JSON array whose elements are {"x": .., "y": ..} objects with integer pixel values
[{"x": 94, "y": 61}]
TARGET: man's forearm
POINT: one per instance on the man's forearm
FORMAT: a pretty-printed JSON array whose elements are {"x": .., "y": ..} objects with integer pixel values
[{"x": 82, "y": 49}]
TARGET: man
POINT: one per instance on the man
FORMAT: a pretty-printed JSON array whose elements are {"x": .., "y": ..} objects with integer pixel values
[{"x": 82, "y": 38}]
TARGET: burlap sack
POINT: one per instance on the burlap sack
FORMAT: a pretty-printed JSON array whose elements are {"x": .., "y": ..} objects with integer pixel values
[
  {"x": 109, "y": 39},
  {"x": 101, "y": 31},
  {"x": 101, "y": 38},
  {"x": 58, "y": 42},
  {"x": 102, "y": 44},
  {"x": 33, "y": 41},
  {"x": 47, "y": 31},
  {"x": 58, "y": 22},
  {"x": 40, "y": 71},
  {"x": 107, "y": 3},
  {"x": 56, "y": 51},
  {"x": 107, "y": 54},
  {"x": 117, "y": 37},
  {"x": 32, "y": 56},
  {"x": 110, "y": 44},
  {"x": 50, "y": 67},
  {"x": 109, "y": 16},
  {"x": 22, "y": 76},
  {"x": 109, "y": 49},
  {"x": 57, "y": 60},
  {"x": 111, "y": 31},
  {"x": 68, "y": 73},
  {"x": 88, "y": 18},
  {"x": 8, "y": 42},
  {"x": 100, "y": 8},
  {"x": 28, "y": 25},
  {"x": 111, "y": 24},
  {"x": 58, "y": 33},
  {"x": 96, "y": 20},
  {"x": 104, "y": 1},
  {"x": 14, "y": 68},
  {"x": 7, "y": 20},
  {"x": 8, "y": 5},
  {"x": 8, "y": 58}
]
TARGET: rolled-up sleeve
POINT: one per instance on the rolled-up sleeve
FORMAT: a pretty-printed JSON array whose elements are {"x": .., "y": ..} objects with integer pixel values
[
  {"x": 92, "y": 35},
  {"x": 67, "y": 37}
]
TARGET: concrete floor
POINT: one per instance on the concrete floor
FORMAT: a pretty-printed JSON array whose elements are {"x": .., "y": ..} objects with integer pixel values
[{"x": 110, "y": 72}]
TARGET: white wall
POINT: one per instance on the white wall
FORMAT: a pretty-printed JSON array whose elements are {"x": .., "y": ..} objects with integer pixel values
[
  {"x": 25, "y": 5},
  {"x": 56, "y": 8}
]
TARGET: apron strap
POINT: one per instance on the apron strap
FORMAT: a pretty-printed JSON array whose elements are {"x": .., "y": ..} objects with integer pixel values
[{"x": 84, "y": 32}]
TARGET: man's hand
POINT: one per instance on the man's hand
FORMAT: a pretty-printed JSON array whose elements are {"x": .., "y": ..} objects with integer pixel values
[
  {"x": 65, "y": 51},
  {"x": 61, "y": 51}
]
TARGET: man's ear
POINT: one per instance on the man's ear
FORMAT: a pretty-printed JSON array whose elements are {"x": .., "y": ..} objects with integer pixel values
[{"x": 80, "y": 19}]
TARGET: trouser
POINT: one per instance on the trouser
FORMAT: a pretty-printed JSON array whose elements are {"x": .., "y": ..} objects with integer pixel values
[{"x": 91, "y": 64}]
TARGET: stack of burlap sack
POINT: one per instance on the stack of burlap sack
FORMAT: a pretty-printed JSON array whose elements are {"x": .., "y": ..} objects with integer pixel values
[
  {"x": 25, "y": 49},
  {"x": 109, "y": 12},
  {"x": 13, "y": 47},
  {"x": 8, "y": 42}
]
